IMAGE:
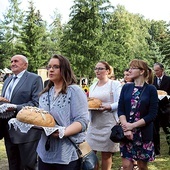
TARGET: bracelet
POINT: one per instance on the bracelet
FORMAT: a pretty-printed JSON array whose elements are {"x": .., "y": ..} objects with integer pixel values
[{"x": 61, "y": 132}]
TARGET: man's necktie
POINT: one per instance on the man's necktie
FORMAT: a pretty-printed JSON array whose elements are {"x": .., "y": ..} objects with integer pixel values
[
  {"x": 9, "y": 90},
  {"x": 159, "y": 82}
]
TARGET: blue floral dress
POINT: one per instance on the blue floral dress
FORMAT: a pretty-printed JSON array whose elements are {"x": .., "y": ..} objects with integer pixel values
[{"x": 137, "y": 149}]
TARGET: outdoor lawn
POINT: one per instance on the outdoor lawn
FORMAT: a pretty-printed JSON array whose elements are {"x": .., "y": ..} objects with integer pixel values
[{"x": 161, "y": 163}]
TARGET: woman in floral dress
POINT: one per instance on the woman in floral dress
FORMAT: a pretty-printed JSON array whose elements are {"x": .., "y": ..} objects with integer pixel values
[{"x": 137, "y": 109}]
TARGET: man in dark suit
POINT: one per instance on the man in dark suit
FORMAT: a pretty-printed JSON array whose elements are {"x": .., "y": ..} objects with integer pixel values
[
  {"x": 161, "y": 82},
  {"x": 21, "y": 147},
  {"x": 46, "y": 82}
]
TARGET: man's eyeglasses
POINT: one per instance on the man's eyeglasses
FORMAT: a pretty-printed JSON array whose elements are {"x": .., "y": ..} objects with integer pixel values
[
  {"x": 99, "y": 68},
  {"x": 54, "y": 67}
]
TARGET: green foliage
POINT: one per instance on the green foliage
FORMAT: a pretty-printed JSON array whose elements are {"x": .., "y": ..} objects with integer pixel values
[
  {"x": 55, "y": 34},
  {"x": 96, "y": 31},
  {"x": 125, "y": 37},
  {"x": 82, "y": 39},
  {"x": 165, "y": 59},
  {"x": 10, "y": 31},
  {"x": 159, "y": 43},
  {"x": 32, "y": 37}
]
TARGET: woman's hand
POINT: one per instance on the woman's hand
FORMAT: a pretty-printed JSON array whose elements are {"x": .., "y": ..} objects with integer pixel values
[
  {"x": 129, "y": 135},
  {"x": 127, "y": 126},
  {"x": 105, "y": 107}
]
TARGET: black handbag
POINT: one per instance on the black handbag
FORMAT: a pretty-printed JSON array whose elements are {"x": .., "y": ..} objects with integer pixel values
[
  {"x": 88, "y": 157},
  {"x": 89, "y": 161},
  {"x": 117, "y": 134}
]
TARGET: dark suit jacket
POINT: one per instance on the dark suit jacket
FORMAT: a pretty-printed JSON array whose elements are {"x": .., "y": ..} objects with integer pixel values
[
  {"x": 165, "y": 84},
  {"x": 24, "y": 94},
  {"x": 164, "y": 105},
  {"x": 148, "y": 107},
  {"x": 45, "y": 83}
]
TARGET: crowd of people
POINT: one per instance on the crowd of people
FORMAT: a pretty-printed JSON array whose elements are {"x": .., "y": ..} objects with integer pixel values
[{"x": 133, "y": 103}]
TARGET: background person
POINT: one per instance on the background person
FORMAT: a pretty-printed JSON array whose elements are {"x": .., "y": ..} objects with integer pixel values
[
  {"x": 98, "y": 133},
  {"x": 6, "y": 76},
  {"x": 137, "y": 109},
  {"x": 46, "y": 82},
  {"x": 161, "y": 119},
  {"x": 127, "y": 77},
  {"x": 67, "y": 103},
  {"x": 20, "y": 147}
]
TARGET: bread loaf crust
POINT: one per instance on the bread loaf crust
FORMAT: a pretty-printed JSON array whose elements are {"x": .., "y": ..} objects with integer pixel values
[
  {"x": 161, "y": 92},
  {"x": 94, "y": 103},
  {"x": 35, "y": 116}
]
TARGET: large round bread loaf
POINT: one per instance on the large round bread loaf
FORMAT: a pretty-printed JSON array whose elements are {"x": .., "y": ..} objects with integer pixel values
[
  {"x": 162, "y": 92},
  {"x": 94, "y": 103},
  {"x": 35, "y": 116}
]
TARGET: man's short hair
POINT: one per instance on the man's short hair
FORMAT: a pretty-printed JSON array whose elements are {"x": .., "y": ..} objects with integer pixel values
[{"x": 160, "y": 65}]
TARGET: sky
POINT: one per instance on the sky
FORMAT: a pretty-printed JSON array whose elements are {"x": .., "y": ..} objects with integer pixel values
[{"x": 150, "y": 9}]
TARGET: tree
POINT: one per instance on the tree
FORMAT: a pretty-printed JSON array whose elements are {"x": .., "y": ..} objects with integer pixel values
[
  {"x": 165, "y": 59},
  {"x": 82, "y": 36},
  {"x": 160, "y": 38},
  {"x": 126, "y": 35},
  {"x": 10, "y": 29},
  {"x": 155, "y": 53},
  {"x": 2, "y": 51},
  {"x": 32, "y": 38},
  {"x": 55, "y": 34}
]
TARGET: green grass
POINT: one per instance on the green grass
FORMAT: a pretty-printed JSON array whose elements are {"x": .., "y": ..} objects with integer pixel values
[
  {"x": 160, "y": 163},
  {"x": 2, "y": 150}
]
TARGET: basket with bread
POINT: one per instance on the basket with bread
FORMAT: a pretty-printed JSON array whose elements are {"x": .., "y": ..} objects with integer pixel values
[
  {"x": 29, "y": 117},
  {"x": 162, "y": 94}
]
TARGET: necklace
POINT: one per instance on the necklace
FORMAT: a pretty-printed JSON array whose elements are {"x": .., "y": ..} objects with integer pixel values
[{"x": 55, "y": 94}]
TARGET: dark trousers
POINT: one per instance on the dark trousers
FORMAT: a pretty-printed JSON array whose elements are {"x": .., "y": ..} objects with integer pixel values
[
  {"x": 74, "y": 165},
  {"x": 161, "y": 121},
  {"x": 21, "y": 156},
  {"x": 156, "y": 135}
]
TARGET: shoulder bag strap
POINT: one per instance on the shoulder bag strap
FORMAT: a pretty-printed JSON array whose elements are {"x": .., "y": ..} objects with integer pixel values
[{"x": 111, "y": 92}]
